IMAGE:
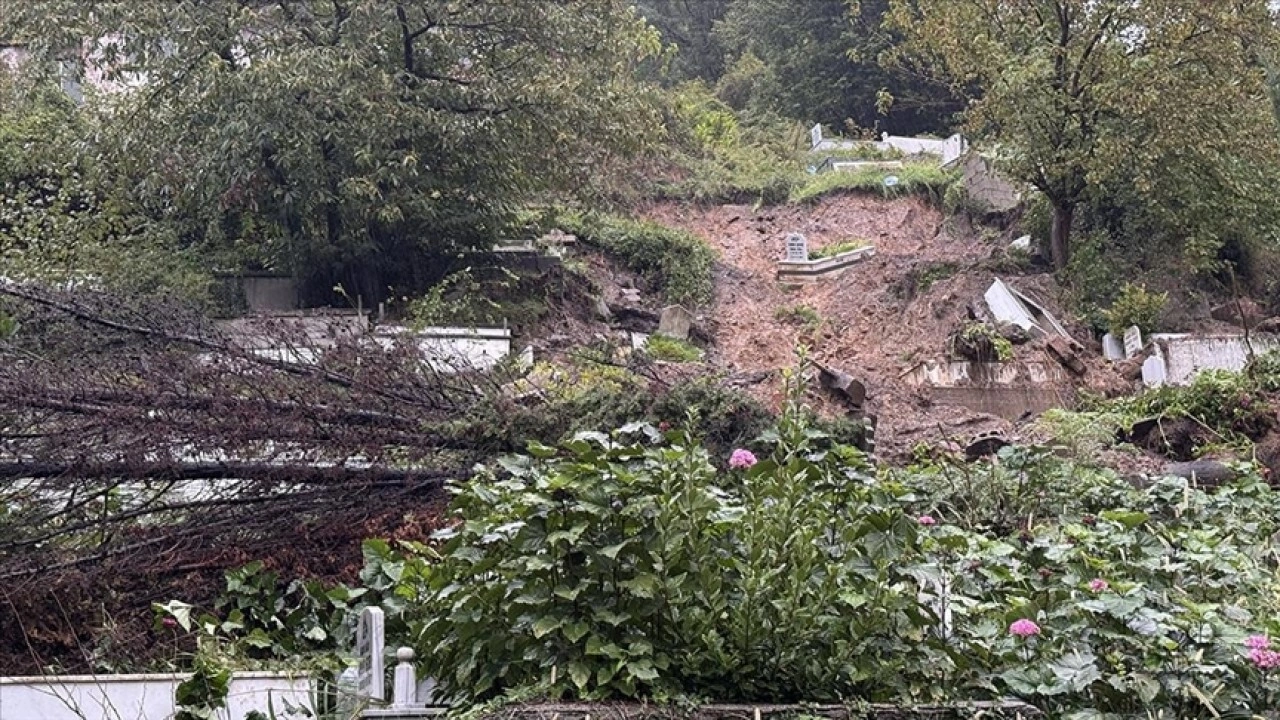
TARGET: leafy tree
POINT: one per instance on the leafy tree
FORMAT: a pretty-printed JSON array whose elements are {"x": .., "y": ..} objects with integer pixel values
[
  {"x": 689, "y": 25},
  {"x": 820, "y": 64},
  {"x": 353, "y": 141},
  {"x": 1159, "y": 101}
]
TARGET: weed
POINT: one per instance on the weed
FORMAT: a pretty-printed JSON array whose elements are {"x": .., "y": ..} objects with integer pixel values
[
  {"x": 661, "y": 347},
  {"x": 843, "y": 246}
]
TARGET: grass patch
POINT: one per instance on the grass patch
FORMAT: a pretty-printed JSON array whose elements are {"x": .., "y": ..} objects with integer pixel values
[
  {"x": 801, "y": 316},
  {"x": 924, "y": 178},
  {"x": 933, "y": 273},
  {"x": 661, "y": 347},
  {"x": 843, "y": 246},
  {"x": 677, "y": 262}
]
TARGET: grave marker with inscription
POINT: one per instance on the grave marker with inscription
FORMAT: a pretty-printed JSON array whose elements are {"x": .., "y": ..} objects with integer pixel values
[
  {"x": 1132, "y": 341},
  {"x": 797, "y": 248},
  {"x": 370, "y": 642}
]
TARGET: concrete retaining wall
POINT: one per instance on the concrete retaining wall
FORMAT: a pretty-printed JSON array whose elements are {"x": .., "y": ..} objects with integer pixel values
[
  {"x": 141, "y": 697},
  {"x": 1186, "y": 355}
]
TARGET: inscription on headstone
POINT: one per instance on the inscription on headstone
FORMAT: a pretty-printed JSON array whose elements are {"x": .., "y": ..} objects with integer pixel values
[
  {"x": 369, "y": 646},
  {"x": 1132, "y": 341},
  {"x": 815, "y": 135},
  {"x": 797, "y": 248}
]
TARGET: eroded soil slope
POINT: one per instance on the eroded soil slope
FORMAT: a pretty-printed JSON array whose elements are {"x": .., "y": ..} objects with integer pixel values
[{"x": 879, "y": 318}]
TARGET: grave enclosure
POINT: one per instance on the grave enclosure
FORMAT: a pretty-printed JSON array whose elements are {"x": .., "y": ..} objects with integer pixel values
[{"x": 797, "y": 267}]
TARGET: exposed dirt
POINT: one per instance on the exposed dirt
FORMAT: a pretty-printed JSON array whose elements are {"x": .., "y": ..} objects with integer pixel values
[{"x": 880, "y": 318}]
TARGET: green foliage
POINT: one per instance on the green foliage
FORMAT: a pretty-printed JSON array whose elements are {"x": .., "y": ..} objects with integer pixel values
[
  {"x": 661, "y": 347},
  {"x": 676, "y": 262},
  {"x": 982, "y": 342},
  {"x": 933, "y": 273},
  {"x": 837, "y": 248},
  {"x": 1230, "y": 409},
  {"x": 490, "y": 297},
  {"x": 1135, "y": 305},
  {"x": 1055, "y": 90},
  {"x": 818, "y": 62},
  {"x": 628, "y": 565},
  {"x": 924, "y": 178},
  {"x": 359, "y": 143},
  {"x": 711, "y": 122}
]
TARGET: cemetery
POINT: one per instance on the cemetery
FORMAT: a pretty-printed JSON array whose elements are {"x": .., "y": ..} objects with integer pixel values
[{"x": 611, "y": 360}]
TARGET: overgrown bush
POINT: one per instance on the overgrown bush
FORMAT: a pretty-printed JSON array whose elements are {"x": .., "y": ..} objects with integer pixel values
[
  {"x": 628, "y": 565},
  {"x": 677, "y": 262},
  {"x": 1135, "y": 305}
]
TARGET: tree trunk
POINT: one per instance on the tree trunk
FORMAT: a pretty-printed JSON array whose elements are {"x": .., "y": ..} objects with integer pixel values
[{"x": 1060, "y": 235}]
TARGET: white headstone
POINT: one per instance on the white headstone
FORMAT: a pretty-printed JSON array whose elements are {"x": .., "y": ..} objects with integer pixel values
[
  {"x": 370, "y": 642},
  {"x": 815, "y": 135},
  {"x": 797, "y": 248},
  {"x": 1112, "y": 348},
  {"x": 1154, "y": 372},
  {"x": 1132, "y": 341}
]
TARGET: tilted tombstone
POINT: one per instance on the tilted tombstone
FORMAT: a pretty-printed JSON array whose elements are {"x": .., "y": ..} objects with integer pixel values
[
  {"x": 797, "y": 248},
  {"x": 1112, "y": 348},
  {"x": 1132, "y": 341},
  {"x": 370, "y": 642},
  {"x": 815, "y": 135},
  {"x": 1154, "y": 372}
]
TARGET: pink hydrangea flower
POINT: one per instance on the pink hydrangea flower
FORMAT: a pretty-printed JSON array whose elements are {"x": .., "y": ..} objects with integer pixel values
[
  {"x": 926, "y": 520},
  {"x": 1257, "y": 642},
  {"x": 742, "y": 459},
  {"x": 1024, "y": 628},
  {"x": 1098, "y": 585},
  {"x": 1265, "y": 659}
]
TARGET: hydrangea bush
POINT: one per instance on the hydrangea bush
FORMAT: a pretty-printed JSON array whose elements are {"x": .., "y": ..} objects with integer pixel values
[{"x": 635, "y": 564}]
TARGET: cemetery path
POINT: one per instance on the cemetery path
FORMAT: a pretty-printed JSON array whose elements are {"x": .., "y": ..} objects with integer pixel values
[{"x": 880, "y": 317}]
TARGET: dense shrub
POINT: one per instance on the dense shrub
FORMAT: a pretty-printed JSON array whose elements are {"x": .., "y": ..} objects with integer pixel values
[
  {"x": 637, "y": 565},
  {"x": 677, "y": 262},
  {"x": 1135, "y": 305}
]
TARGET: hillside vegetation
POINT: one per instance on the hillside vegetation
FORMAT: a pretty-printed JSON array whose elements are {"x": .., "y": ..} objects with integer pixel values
[{"x": 765, "y": 502}]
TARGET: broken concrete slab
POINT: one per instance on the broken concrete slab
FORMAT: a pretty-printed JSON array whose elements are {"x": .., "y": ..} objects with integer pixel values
[
  {"x": 1060, "y": 349},
  {"x": 1013, "y": 307},
  {"x": 1011, "y": 390},
  {"x": 675, "y": 322},
  {"x": 1022, "y": 244}
]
